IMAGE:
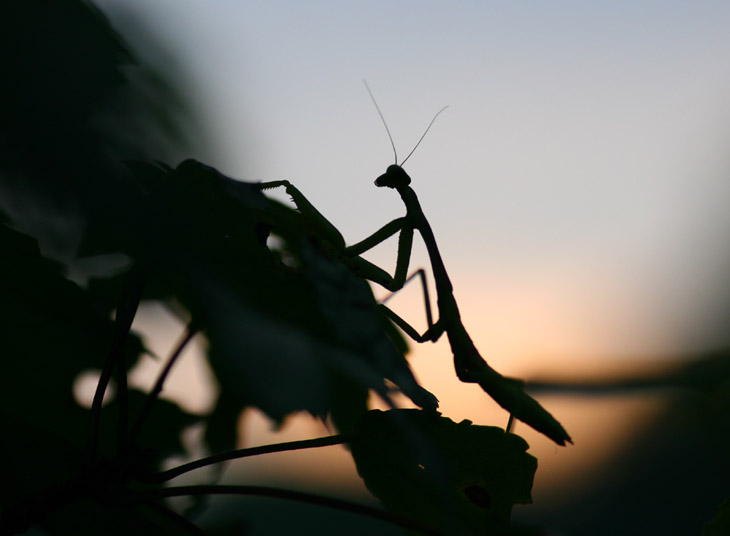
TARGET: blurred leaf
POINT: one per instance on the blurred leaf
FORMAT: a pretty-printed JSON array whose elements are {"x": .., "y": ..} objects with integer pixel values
[
  {"x": 161, "y": 435},
  {"x": 222, "y": 423},
  {"x": 39, "y": 484},
  {"x": 32, "y": 458},
  {"x": 79, "y": 102},
  {"x": 66, "y": 61},
  {"x": 51, "y": 332},
  {"x": 460, "y": 477}
]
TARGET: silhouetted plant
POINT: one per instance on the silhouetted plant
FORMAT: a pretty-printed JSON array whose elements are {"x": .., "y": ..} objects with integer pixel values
[
  {"x": 291, "y": 324},
  {"x": 289, "y": 328}
]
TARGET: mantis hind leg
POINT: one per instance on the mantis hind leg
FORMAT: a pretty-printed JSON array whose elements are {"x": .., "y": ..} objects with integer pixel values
[
  {"x": 434, "y": 331},
  {"x": 432, "y": 334},
  {"x": 424, "y": 286}
]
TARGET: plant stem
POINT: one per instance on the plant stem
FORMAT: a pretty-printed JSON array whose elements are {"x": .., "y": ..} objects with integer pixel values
[
  {"x": 298, "y": 496},
  {"x": 127, "y": 309},
  {"x": 244, "y": 453},
  {"x": 190, "y": 332}
]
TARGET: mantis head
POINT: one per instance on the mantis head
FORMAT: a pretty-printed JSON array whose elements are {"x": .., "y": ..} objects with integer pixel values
[{"x": 394, "y": 177}]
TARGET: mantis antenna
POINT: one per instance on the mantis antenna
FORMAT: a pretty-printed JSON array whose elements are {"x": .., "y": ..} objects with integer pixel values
[
  {"x": 382, "y": 119},
  {"x": 424, "y": 134},
  {"x": 388, "y": 130}
]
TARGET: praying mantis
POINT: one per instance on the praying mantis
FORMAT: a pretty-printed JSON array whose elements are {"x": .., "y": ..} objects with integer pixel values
[{"x": 469, "y": 365}]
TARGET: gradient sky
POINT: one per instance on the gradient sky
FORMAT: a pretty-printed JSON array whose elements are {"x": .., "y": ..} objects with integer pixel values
[
  {"x": 578, "y": 185},
  {"x": 581, "y": 167}
]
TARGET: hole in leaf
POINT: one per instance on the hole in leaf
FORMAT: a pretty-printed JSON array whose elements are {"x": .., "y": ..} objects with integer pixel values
[
  {"x": 478, "y": 496},
  {"x": 277, "y": 245}
]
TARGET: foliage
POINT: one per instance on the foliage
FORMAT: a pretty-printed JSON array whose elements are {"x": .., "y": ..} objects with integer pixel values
[
  {"x": 290, "y": 322},
  {"x": 289, "y": 329}
]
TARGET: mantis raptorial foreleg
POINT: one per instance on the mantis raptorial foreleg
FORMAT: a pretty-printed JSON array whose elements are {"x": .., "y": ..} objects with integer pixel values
[{"x": 333, "y": 241}]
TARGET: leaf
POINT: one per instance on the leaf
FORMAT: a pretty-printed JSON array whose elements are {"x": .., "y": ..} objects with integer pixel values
[
  {"x": 32, "y": 458},
  {"x": 348, "y": 305},
  {"x": 51, "y": 331},
  {"x": 221, "y": 425},
  {"x": 459, "y": 477},
  {"x": 39, "y": 468},
  {"x": 161, "y": 434},
  {"x": 286, "y": 325},
  {"x": 264, "y": 361}
]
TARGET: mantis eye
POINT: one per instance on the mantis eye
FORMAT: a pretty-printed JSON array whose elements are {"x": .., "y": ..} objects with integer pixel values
[{"x": 394, "y": 177}]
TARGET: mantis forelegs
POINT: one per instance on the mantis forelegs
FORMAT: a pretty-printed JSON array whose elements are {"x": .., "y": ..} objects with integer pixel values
[
  {"x": 314, "y": 218},
  {"x": 405, "y": 244},
  {"x": 324, "y": 230}
]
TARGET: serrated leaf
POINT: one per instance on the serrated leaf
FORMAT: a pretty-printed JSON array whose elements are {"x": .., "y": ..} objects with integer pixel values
[{"x": 459, "y": 477}]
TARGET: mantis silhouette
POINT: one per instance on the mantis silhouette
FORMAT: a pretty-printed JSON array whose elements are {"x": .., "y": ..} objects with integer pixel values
[{"x": 469, "y": 365}]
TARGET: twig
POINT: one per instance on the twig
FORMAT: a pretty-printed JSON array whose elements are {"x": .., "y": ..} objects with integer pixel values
[
  {"x": 129, "y": 302},
  {"x": 190, "y": 332},
  {"x": 244, "y": 453}
]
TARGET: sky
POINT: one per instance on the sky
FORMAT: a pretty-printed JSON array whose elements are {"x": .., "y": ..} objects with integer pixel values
[
  {"x": 581, "y": 165},
  {"x": 577, "y": 184}
]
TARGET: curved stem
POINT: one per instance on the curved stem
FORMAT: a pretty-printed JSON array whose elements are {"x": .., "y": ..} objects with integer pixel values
[
  {"x": 244, "y": 453},
  {"x": 190, "y": 332},
  {"x": 126, "y": 311},
  {"x": 298, "y": 496}
]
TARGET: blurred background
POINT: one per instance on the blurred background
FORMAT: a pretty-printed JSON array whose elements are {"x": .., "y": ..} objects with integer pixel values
[{"x": 578, "y": 189}]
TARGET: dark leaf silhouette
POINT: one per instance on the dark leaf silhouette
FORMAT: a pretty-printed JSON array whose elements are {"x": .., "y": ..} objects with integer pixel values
[
  {"x": 52, "y": 332},
  {"x": 285, "y": 307},
  {"x": 286, "y": 325},
  {"x": 461, "y": 477}
]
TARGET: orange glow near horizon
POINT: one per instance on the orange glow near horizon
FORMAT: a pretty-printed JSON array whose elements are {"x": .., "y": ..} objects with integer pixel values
[{"x": 522, "y": 334}]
